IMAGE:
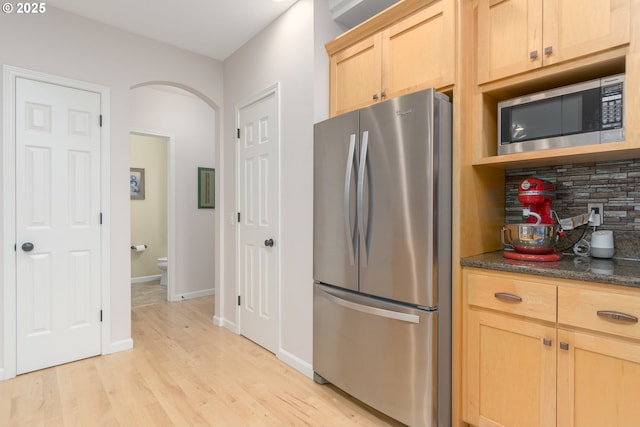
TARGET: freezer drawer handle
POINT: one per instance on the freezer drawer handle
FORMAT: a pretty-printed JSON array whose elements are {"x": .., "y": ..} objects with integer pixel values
[
  {"x": 389, "y": 314},
  {"x": 617, "y": 315},
  {"x": 505, "y": 296}
]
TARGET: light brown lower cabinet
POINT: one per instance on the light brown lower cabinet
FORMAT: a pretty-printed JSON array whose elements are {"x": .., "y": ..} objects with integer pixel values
[
  {"x": 521, "y": 369},
  {"x": 598, "y": 380},
  {"x": 511, "y": 374}
]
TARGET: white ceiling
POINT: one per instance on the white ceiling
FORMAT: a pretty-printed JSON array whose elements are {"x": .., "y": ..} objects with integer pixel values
[{"x": 214, "y": 28}]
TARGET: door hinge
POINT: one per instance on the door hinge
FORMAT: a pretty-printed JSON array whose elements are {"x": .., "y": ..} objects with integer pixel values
[
  {"x": 100, "y": 120},
  {"x": 101, "y": 315},
  {"x": 100, "y": 218},
  {"x": 238, "y": 133},
  {"x": 238, "y": 299},
  {"x": 238, "y": 216}
]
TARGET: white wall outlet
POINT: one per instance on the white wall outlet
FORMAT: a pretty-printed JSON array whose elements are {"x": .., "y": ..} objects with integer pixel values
[{"x": 598, "y": 217}]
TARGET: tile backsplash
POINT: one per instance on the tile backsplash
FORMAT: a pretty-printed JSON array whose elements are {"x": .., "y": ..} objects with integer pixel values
[{"x": 616, "y": 184}]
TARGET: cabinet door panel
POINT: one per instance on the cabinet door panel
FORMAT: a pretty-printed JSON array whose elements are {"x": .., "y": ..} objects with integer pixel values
[
  {"x": 355, "y": 75},
  {"x": 574, "y": 28},
  {"x": 598, "y": 381},
  {"x": 508, "y": 31},
  {"x": 510, "y": 372},
  {"x": 419, "y": 52}
]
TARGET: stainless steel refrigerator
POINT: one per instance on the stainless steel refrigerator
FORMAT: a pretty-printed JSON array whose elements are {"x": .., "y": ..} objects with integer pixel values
[{"x": 382, "y": 256}]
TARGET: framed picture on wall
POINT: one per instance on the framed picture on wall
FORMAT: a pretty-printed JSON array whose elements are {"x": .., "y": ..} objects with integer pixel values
[
  {"x": 136, "y": 183},
  {"x": 206, "y": 188}
]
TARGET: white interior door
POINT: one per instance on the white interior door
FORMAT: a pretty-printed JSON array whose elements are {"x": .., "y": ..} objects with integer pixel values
[
  {"x": 57, "y": 224},
  {"x": 258, "y": 225}
]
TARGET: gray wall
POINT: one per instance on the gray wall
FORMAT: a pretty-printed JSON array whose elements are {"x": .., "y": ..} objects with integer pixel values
[{"x": 289, "y": 51}]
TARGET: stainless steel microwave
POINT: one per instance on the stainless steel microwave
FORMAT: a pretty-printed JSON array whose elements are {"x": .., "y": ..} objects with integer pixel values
[{"x": 586, "y": 113}]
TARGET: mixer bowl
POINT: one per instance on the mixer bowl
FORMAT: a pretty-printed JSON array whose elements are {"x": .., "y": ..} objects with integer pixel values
[{"x": 531, "y": 238}]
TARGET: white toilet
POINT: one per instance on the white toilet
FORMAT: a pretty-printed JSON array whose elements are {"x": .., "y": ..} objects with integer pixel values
[{"x": 162, "y": 265}]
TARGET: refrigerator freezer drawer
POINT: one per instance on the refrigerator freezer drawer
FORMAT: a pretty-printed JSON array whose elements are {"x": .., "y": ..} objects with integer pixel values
[{"x": 379, "y": 352}]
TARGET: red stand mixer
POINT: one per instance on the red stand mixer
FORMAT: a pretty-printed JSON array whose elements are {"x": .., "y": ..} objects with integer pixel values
[{"x": 534, "y": 240}]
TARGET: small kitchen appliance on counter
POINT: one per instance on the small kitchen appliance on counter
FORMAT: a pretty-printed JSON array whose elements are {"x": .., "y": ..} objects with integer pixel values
[{"x": 536, "y": 238}]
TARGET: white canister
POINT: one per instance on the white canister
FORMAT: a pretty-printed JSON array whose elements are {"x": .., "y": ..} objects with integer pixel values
[{"x": 602, "y": 244}]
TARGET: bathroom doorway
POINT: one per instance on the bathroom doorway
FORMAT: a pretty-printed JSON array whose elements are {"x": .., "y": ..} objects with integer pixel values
[{"x": 151, "y": 197}]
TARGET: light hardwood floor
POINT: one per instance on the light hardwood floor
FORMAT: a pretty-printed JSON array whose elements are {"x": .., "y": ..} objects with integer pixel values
[{"x": 183, "y": 371}]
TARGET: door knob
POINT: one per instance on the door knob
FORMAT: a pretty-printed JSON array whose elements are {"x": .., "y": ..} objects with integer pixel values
[
  {"x": 27, "y": 247},
  {"x": 268, "y": 242}
]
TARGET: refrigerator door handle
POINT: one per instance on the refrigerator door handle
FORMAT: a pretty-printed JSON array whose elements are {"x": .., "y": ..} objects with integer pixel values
[
  {"x": 380, "y": 312},
  {"x": 360, "y": 195},
  {"x": 351, "y": 236}
]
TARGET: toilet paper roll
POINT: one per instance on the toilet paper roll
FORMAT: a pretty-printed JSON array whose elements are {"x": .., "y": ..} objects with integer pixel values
[{"x": 140, "y": 248}]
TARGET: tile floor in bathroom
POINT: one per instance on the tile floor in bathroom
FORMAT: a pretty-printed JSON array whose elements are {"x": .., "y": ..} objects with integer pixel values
[{"x": 148, "y": 293}]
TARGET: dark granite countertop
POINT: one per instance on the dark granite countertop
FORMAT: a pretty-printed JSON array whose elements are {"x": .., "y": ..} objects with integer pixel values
[{"x": 610, "y": 271}]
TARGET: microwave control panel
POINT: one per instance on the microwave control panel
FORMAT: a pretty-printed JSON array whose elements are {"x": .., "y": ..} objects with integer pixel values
[{"x": 612, "y": 106}]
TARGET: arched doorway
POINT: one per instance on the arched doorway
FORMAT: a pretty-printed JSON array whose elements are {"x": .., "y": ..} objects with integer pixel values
[{"x": 192, "y": 121}]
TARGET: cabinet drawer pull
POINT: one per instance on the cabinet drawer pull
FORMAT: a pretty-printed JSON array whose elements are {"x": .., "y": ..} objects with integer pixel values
[
  {"x": 505, "y": 296},
  {"x": 616, "y": 315},
  {"x": 564, "y": 345},
  {"x": 533, "y": 54},
  {"x": 546, "y": 341},
  {"x": 548, "y": 50}
]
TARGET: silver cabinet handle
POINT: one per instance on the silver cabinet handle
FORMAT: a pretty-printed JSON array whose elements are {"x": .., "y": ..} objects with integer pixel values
[
  {"x": 351, "y": 236},
  {"x": 548, "y": 50},
  {"x": 389, "y": 314},
  {"x": 533, "y": 54},
  {"x": 546, "y": 341},
  {"x": 617, "y": 315},
  {"x": 505, "y": 296}
]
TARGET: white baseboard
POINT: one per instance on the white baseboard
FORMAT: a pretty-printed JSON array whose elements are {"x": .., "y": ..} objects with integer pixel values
[
  {"x": 196, "y": 294},
  {"x": 296, "y": 363},
  {"x": 121, "y": 345},
  {"x": 225, "y": 323},
  {"x": 145, "y": 279}
]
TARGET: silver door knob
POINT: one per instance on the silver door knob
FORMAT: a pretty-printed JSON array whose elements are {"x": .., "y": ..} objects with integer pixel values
[
  {"x": 268, "y": 242},
  {"x": 27, "y": 246}
]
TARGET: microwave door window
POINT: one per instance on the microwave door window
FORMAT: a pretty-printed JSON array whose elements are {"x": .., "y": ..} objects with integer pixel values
[
  {"x": 571, "y": 114},
  {"x": 591, "y": 112},
  {"x": 536, "y": 120}
]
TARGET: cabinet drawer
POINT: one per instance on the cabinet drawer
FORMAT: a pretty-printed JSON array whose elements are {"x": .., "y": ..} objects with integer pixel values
[
  {"x": 602, "y": 311},
  {"x": 511, "y": 294}
]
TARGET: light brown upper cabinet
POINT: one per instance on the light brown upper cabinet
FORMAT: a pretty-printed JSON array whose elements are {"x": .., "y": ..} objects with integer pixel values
[
  {"x": 516, "y": 36},
  {"x": 414, "y": 52}
]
